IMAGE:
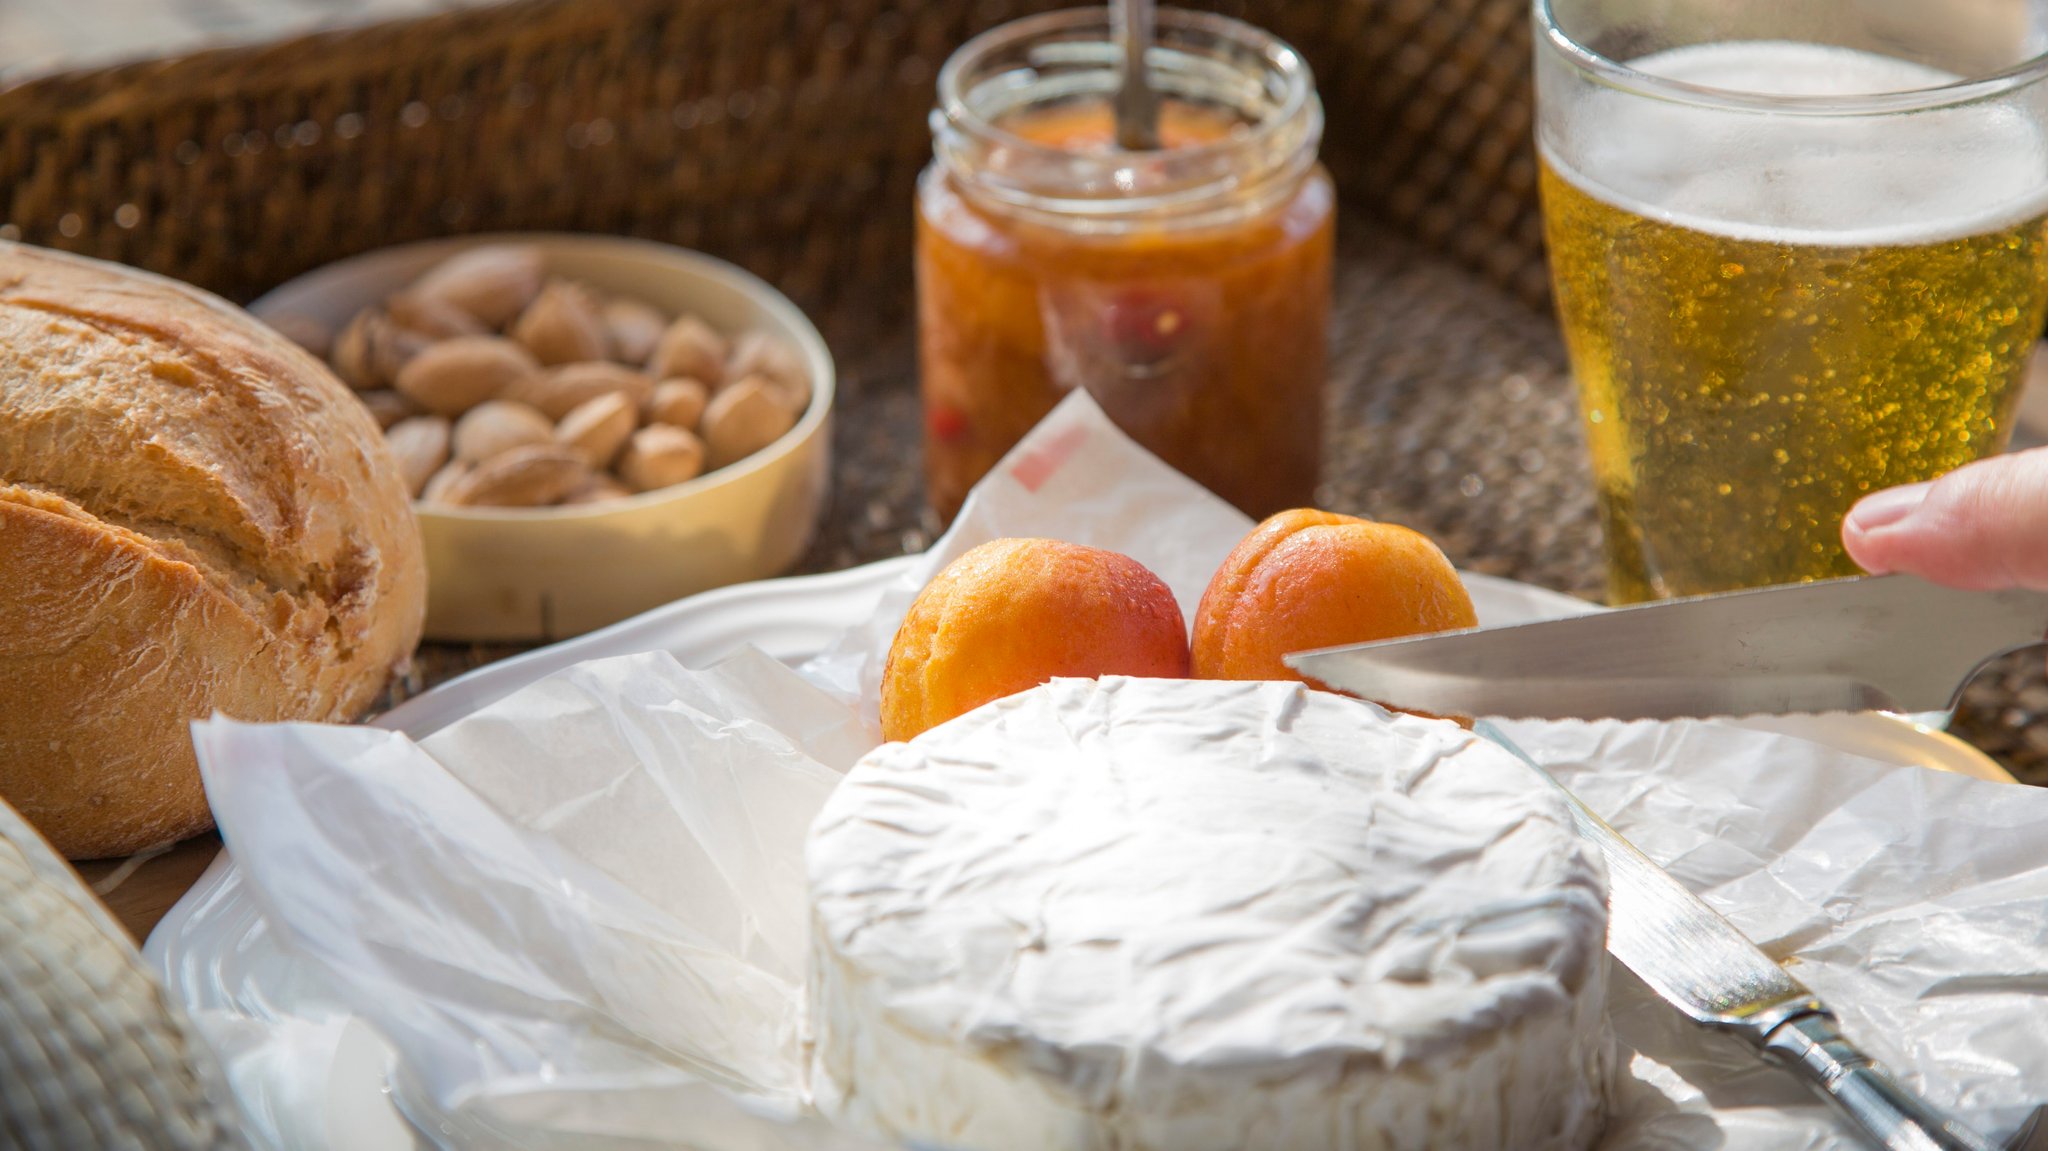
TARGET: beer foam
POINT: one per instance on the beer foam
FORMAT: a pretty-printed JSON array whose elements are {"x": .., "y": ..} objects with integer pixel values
[
  {"x": 1790, "y": 68},
  {"x": 1918, "y": 178}
]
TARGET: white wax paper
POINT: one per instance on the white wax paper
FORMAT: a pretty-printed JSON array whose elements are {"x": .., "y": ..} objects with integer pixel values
[{"x": 578, "y": 913}]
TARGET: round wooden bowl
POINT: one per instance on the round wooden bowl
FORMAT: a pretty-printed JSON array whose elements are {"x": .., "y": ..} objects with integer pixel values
[{"x": 532, "y": 574}]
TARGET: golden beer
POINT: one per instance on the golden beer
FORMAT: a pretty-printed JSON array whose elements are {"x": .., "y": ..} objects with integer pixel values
[{"x": 1749, "y": 367}]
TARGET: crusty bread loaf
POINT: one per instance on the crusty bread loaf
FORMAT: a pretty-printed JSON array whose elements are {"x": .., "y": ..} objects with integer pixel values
[{"x": 195, "y": 515}]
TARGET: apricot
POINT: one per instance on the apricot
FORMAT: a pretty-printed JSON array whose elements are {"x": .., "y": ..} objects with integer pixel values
[
  {"x": 1306, "y": 579},
  {"x": 1014, "y": 613}
]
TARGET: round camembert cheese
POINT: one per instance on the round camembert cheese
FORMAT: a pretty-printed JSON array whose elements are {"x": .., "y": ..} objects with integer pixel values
[{"x": 1162, "y": 915}]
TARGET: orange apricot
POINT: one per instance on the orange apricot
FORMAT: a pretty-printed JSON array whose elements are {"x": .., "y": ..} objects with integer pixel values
[
  {"x": 1306, "y": 579},
  {"x": 1014, "y": 613}
]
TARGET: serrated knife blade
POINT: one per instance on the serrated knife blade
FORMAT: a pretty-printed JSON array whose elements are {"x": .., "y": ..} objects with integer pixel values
[
  {"x": 1700, "y": 963},
  {"x": 1891, "y": 642}
]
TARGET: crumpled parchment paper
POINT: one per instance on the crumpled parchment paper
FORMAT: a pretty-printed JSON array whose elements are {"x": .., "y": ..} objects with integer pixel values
[{"x": 578, "y": 914}]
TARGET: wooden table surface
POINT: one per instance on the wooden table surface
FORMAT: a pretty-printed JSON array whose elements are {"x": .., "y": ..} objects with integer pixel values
[{"x": 140, "y": 891}]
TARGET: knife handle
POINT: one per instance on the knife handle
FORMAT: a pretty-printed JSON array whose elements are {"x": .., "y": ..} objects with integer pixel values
[{"x": 1888, "y": 1116}]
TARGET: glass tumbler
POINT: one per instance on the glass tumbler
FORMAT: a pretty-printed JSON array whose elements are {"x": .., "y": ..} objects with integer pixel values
[{"x": 1800, "y": 253}]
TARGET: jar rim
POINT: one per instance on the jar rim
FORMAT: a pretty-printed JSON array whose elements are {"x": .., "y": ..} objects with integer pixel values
[
  {"x": 1277, "y": 54},
  {"x": 1616, "y": 74},
  {"x": 1041, "y": 60}
]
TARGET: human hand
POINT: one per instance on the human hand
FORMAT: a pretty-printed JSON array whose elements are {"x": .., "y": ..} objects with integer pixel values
[{"x": 1980, "y": 527}]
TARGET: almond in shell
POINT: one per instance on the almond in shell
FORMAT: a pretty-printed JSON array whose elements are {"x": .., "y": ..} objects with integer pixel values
[
  {"x": 492, "y": 283},
  {"x": 371, "y": 350},
  {"x": 496, "y": 426},
  {"x": 421, "y": 445},
  {"x": 635, "y": 328},
  {"x": 760, "y": 354},
  {"x": 599, "y": 428},
  {"x": 560, "y": 391},
  {"x": 563, "y": 326},
  {"x": 532, "y": 476},
  {"x": 659, "y": 455},
  {"x": 690, "y": 347},
  {"x": 387, "y": 407},
  {"x": 745, "y": 418},
  {"x": 436, "y": 491},
  {"x": 453, "y": 376},
  {"x": 432, "y": 316},
  {"x": 678, "y": 402}
]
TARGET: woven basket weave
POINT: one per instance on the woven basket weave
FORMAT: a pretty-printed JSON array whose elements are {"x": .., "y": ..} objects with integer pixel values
[
  {"x": 785, "y": 135},
  {"x": 90, "y": 1055}
]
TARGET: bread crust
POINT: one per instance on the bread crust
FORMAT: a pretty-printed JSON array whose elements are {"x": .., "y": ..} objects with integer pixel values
[{"x": 195, "y": 515}]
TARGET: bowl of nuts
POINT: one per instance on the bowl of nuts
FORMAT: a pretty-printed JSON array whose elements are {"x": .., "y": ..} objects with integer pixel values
[{"x": 591, "y": 426}]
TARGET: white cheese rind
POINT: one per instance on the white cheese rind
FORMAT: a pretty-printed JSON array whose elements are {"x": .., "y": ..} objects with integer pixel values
[{"x": 1140, "y": 914}]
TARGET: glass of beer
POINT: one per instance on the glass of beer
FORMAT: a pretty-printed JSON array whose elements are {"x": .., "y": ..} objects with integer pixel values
[{"x": 1800, "y": 253}]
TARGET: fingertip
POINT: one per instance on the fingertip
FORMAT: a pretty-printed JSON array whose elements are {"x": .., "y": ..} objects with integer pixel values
[
  {"x": 1882, "y": 509},
  {"x": 1871, "y": 532},
  {"x": 1974, "y": 528},
  {"x": 1869, "y": 553}
]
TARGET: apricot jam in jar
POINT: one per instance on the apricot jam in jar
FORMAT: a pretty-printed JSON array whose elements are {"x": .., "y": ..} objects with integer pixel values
[{"x": 1186, "y": 288}]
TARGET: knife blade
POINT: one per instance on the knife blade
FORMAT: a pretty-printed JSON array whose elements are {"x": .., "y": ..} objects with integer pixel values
[
  {"x": 1697, "y": 961},
  {"x": 1893, "y": 643}
]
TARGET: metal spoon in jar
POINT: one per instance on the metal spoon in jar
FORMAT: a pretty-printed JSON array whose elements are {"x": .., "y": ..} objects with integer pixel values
[{"x": 1137, "y": 105}]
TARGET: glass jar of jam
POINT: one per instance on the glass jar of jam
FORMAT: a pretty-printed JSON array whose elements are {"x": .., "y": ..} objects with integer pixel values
[{"x": 1187, "y": 287}]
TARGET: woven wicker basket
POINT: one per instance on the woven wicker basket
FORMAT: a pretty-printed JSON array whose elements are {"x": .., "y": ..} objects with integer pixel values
[
  {"x": 90, "y": 1055},
  {"x": 785, "y": 135}
]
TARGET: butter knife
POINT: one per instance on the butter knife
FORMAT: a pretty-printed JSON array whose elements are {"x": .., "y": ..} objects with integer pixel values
[
  {"x": 1892, "y": 643},
  {"x": 1701, "y": 964}
]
